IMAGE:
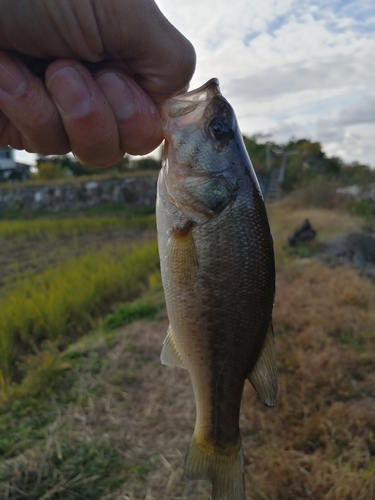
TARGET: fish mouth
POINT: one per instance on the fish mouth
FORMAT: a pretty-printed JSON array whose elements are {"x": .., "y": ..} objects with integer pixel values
[
  {"x": 183, "y": 104},
  {"x": 212, "y": 85}
]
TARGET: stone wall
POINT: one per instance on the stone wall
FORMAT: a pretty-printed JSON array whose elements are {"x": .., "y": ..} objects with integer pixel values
[{"x": 126, "y": 191}]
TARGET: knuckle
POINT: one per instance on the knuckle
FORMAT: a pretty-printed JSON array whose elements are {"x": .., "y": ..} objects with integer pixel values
[{"x": 95, "y": 144}]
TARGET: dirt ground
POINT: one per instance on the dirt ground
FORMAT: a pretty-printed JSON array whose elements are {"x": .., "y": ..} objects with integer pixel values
[{"x": 317, "y": 443}]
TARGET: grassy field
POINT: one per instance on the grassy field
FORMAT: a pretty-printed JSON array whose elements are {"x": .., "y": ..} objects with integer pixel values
[
  {"x": 89, "y": 412},
  {"x": 62, "y": 296},
  {"x": 51, "y": 229}
]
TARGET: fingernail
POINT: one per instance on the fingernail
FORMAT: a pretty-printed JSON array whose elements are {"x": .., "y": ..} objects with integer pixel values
[
  {"x": 118, "y": 94},
  {"x": 12, "y": 79},
  {"x": 70, "y": 91}
]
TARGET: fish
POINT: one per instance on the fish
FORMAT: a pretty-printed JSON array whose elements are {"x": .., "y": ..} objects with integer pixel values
[{"x": 218, "y": 273}]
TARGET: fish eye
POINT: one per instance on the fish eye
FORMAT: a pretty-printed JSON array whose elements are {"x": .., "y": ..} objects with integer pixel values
[{"x": 220, "y": 129}]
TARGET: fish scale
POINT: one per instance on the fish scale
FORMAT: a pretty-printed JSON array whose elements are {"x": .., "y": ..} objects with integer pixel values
[{"x": 217, "y": 266}]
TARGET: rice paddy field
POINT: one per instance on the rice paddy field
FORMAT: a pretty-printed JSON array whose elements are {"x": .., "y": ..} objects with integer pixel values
[{"x": 88, "y": 412}]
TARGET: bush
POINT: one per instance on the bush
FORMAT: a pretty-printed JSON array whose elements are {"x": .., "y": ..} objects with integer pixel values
[
  {"x": 48, "y": 170},
  {"x": 363, "y": 208},
  {"x": 320, "y": 193}
]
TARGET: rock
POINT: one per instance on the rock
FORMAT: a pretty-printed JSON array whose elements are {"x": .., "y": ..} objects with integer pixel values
[
  {"x": 124, "y": 191},
  {"x": 356, "y": 250},
  {"x": 302, "y": 234},
  {"x": 91, "y": 185}
]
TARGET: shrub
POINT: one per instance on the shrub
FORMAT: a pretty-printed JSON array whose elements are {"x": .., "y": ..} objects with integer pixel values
[
  {"x": 363, "y": 208},
  {"x": 48, "y": 170}
]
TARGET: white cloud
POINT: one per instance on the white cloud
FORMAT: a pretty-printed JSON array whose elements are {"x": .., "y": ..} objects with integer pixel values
[
  {"x": 354, "y": 144},
  {"x": 292, "y": 67},
  {"x": 362, "y": 111},
  {"x": 302, "y": 76}
]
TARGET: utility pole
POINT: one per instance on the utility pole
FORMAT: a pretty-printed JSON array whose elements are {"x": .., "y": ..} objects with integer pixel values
[
  {"x": 284, "y": 159},
  {"x": 268, "y": 156}
]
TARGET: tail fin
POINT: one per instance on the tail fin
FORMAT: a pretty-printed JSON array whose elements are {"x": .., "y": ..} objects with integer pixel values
[{"x": 225, "y": 470}]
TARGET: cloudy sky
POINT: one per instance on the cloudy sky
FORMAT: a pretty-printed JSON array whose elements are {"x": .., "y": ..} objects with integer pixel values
[{"x": 303, "y": 68}]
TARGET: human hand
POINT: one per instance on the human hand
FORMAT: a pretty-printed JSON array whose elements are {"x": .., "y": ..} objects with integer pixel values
[{"x": 87, "y": 76}]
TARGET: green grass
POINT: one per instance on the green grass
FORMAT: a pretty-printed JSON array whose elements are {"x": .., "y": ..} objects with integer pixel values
[
  {"x": 101, "y": 463},
  {"x": 129, "y": 313},
  {"x": 54, "y": 228},
  {"x": 101, "y": 176},
  {"x": 63, "y": 302},
  {"x": 305, "y": 250},
  {"x": 89, "y": 211},
  {"x": 146, "y": 307}
]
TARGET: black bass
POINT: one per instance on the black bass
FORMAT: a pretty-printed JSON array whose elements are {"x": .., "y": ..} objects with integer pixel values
[{"x": 218, "y": 273}]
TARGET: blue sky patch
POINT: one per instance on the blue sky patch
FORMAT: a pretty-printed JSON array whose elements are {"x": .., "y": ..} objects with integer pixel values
[
  {"x": 277, "y": 23},
  {"x": 252, "y": 35}
]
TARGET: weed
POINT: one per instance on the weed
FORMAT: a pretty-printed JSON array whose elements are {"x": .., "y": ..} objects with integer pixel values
[
  {"x": 97, "y": 210},
  {"x": 305, "y": 250},
  {"x": 54, "y": 228},
  {"x": 62, "y": 302},
  {"x": 110, "y": 174},
  {"x": 65, "y": 469},
  {"x": 319, "y": 194},
  {"x": 128, "y": 313}
]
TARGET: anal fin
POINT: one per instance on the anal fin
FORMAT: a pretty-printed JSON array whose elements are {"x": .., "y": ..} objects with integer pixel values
[
  {"x": 170, "y": 355},
  {"x": 263, "y": 376}
]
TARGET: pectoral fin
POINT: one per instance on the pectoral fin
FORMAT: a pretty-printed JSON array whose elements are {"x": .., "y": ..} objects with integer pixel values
[
  {"x": 263, "y": 377},
  {"x": 182, "y": 257},
  {"x": 170, "y": 355}
]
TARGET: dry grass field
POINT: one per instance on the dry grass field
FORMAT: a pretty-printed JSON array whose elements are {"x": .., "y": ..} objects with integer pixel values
[{"x": 102, "y": 419}]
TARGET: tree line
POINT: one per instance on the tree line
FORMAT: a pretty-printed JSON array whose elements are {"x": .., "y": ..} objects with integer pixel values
[{"x": 306, "y": 162}]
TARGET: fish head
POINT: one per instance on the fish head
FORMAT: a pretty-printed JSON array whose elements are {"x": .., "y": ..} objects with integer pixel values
[{"x": 204, "y": 156}]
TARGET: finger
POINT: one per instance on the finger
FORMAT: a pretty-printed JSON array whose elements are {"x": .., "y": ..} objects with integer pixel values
[
  {"x": 9, "y": 135},
  {"x": 161, "y": 58},
  {"x": 32, "y": 115},
  {"x": 88, "y": 119},
  {"x": 138, "y": 120}
]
